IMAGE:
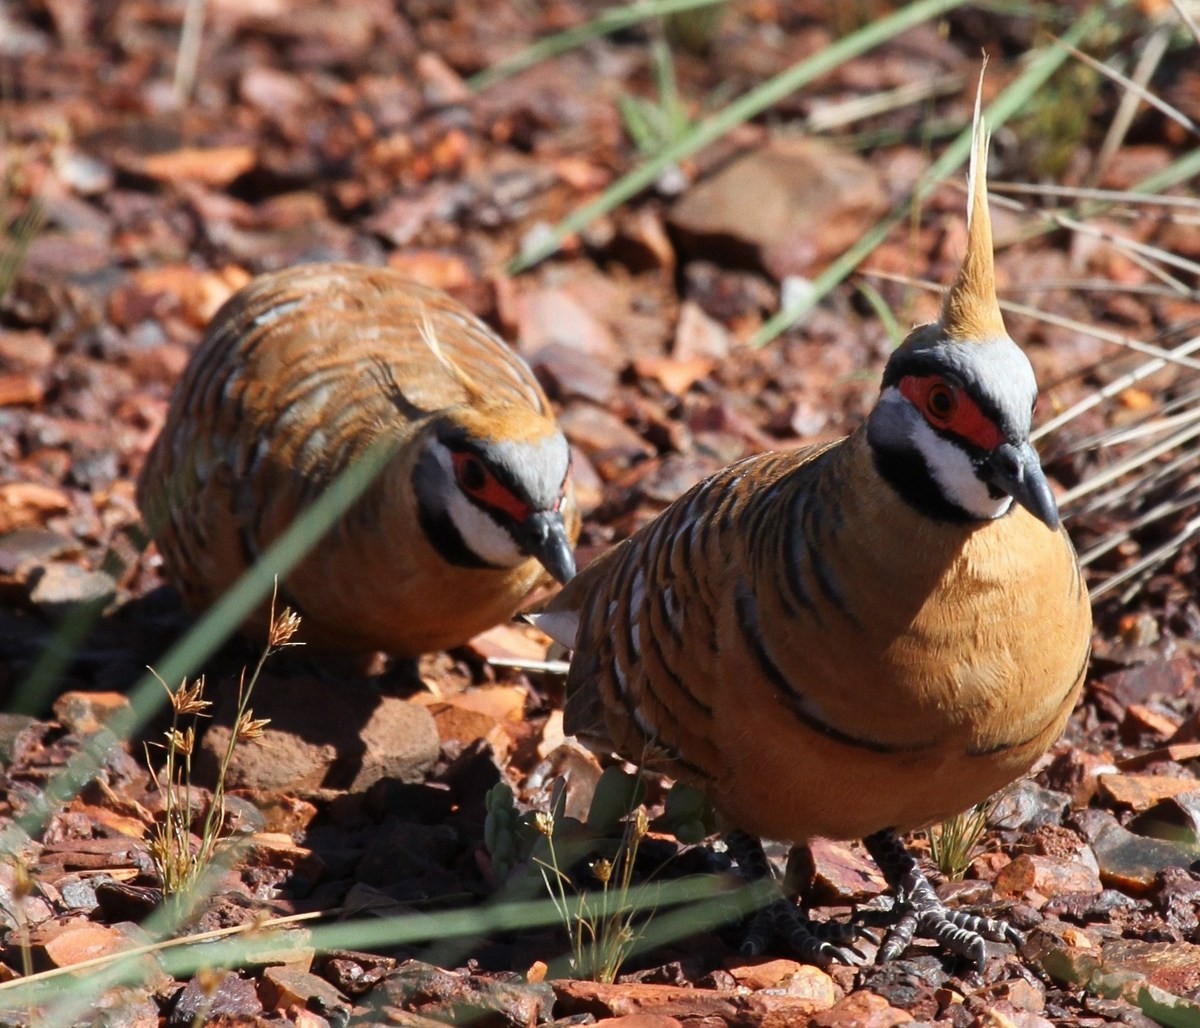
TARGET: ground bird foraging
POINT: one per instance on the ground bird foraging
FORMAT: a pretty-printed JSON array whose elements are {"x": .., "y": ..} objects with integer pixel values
[
  {"x": 298, "y": 374},
  {"x": 855, "y": 639}
]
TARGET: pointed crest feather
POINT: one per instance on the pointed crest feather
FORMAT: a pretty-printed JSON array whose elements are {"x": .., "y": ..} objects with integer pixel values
[
  {"x": 970, "y": 310},
  {"x": 429, "y": 337}
]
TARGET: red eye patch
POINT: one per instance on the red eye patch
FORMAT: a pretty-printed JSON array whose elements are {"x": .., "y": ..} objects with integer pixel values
[
  {"x": 949, "y": 408},
  {"x": 489, "y": 491}
]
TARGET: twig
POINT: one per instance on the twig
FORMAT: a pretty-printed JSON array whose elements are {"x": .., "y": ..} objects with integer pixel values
[{"x": 155, "y": 947}]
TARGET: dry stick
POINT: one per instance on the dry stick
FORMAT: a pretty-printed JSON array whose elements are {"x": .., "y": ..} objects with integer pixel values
[
  {"x": 1142, "y": 568},
  {"x": 549, "y": 667},
  {"x": 1130, "y": 246},
  {"x": 1118, "y": 385},
  {"x": 1062, "y": 321},
  {"x": 1186, "y": 18},
  {"x": 847, "y": 112},
  {"x": 155, "y": 947},
  {"x": 1161, "y": 422},
  {"x": 1155, "y": 476},
  {"x": 1135, "y": 91},
  {"x": 1130, "y": 463},
  {"x": 1107, "y": 196},
  {"x": 1176, "y": 356},
  {"x": 1091, "y": 285},
  {"x": 187, "y": 58},
  {"x": 1163, "y": 510}
]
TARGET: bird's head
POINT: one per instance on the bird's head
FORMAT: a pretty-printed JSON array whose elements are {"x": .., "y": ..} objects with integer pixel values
[
  {"x": 492, "y": 488},
  {"x": 951, "y": 428}
]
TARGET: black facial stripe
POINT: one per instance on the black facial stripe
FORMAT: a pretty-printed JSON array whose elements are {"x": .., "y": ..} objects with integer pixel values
[
  {"x": 435, "y": 522},
  {"x": 906, "y": 472},
  {"x": 444, "y": 537}
]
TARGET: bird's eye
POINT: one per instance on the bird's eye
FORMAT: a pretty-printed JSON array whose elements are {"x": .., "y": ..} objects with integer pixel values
[
  {"x": 940, "y": 404},
  {"x": 472, "y": 475}
]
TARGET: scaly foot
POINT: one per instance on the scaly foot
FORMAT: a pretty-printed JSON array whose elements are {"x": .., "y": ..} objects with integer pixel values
[{"x": 961, "y": 933}]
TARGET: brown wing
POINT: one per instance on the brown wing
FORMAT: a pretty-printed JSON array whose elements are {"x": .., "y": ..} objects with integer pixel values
[
  {"x": 823, "y": 658},
  {"x": 647, "y": 668},
  {"x": 297, "y": 374}
]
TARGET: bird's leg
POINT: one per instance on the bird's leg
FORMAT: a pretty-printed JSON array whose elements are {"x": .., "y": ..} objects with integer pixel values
[
  {"x": 923, "y": 912},
  {"x": 781, "y": 919}
]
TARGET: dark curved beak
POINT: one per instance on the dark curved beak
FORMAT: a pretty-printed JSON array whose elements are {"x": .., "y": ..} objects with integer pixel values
[
  {"x": 543, "y": 535},
  {"x": 1018, "y": 471}
]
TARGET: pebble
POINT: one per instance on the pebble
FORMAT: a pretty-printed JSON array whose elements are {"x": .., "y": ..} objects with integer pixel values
[
  {"x": 789, "y": 207},
  {"x": 320, "y": 737},
  {"x": 60, "y": 590},
  {"x": 212, "y": 995}
]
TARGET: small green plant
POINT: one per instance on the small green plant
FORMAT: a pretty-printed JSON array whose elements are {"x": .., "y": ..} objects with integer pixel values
[
  {"x": 603, "y": 925},
  {"x": 601, "y": 918},
  {"x": 694, "y": 29},
  {"x": 952, "y": 844},
  {"x": 179, "y": 866},
  {"x": 655, "y": 125},
  {"x": 17, "y": 227}
]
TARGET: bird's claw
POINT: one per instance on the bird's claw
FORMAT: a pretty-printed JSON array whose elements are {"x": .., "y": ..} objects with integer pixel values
[
  {"x": 962, "y": 933},
  {"x": 811, "y": 941}
]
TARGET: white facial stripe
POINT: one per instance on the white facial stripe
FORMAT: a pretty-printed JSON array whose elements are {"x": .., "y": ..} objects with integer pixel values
[
  {"x": 951, "y": 468},
  {"x": 484, "y": 537}
]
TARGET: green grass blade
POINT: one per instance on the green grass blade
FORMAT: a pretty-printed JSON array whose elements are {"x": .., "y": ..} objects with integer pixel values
[
  {"x": 210, "y": 631},
  {"x": 1008, "y": 103},
  {"x": 740, "y": 111},
  {"x": 620, "y": 17},
  {"x": 707, "y": 900}
]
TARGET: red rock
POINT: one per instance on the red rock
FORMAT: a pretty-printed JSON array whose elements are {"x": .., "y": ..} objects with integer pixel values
[
  {"x": 698, "y": 335},
  {"x": 19, "y": 390},
  {"x": 213, "y": 995},
  {"x": 25, "y": 504},
  {"x": 275, "y": 849},
  {"x": 640, "y": 1021},
  {"x": 80, "y": 942},
  {"x": 519, "y": 641},
  {"x": 214, "y": 166},
  {"x": 1004, "y": 1015},
  {"x": 460, "y": 724},
  {"x": 445, "y": 271},
  {"x": 601, "y": 434},
  {"x": 25, "y": 351},
  {"x": 1173, "y": 966},
  {"x": 300, "y": 749},
  {"x": 282, "y": 813},
  {"x": 1136, "y": 684},
  {"x": 691, "y": 1006},
  {"x": 1141, "y": 720},
  {"x": 285, "y": 988},
  {"x": 1018, "y": 994},
  {"x": 88, "y": 712},
  {"x": 674, "y": 375},
  {"x": 861, "y": 1010},
  {"x": 1141, "y": 792},
  {"x": 1036, "y": 878},
  {"x": 546, "y": 316},
  {"x": 58, "y": 590},
  {"x": 764, "y": 974},
  {"x": 791, "y": 206},
  {"x": 833, "y": 872}
]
